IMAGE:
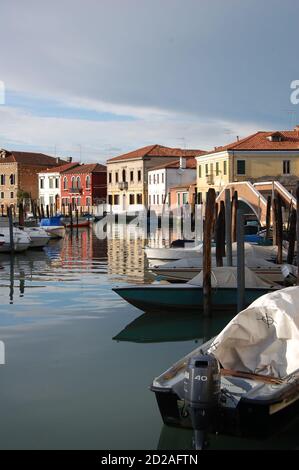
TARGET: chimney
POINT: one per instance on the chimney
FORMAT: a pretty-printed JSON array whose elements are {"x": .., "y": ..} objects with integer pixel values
[
  {"x": 57, "y": 160},
  {"x": 182, "y": 162},
  {"x": 69, "y": 159},
  {"x": 238, "y": 138}
]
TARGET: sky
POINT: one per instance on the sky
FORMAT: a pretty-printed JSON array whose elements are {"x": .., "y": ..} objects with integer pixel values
[{"x": 93, "y": 79}]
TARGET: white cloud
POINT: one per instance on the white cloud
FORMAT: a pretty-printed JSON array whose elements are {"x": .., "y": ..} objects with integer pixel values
[{"x": 102, "y": 139}]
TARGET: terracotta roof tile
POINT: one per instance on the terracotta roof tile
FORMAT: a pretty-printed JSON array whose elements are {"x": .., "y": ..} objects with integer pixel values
[
  {"x": 61, "y": 168},
  {"x": 87, "y": 168},
  {"x": 190, "y": 164},
  {"x": 156, "y": 151},
  {"x": 31, "y": 158},
  {"x": 260, "y": 141}
]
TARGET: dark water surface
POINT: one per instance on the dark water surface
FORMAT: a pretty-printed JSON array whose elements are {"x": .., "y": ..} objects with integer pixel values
[{"x": 79, "y": 359}]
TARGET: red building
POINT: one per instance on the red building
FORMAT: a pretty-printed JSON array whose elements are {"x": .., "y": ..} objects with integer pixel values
[{"x": 84, "y": 185}]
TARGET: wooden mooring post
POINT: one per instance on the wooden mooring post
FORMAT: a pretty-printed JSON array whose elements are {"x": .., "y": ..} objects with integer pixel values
[
  {"x": 71, "y": 217},
  {"x": 234, "y": 216},
  {"x": 220, "y": 235},
  {"x": 21, "y": 215},
  {"x": 207, "y": 243},
  {"x": 228, "y": 229},
  {"x": 240, "y": 262},
  {"x": 268, "y": 217},
  {"x": 11, "y": 234},
  {"x": 279, "y": 228},
  {"x": 292, "y": 236}
]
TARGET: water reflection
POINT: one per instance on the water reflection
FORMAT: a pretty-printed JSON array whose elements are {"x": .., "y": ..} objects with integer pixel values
[{"x": 172, "y": 326}]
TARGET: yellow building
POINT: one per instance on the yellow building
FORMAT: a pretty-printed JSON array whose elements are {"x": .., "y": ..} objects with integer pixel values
[
  {"x": 261, "y": 156},
  {"x": 127, "y": 175}
]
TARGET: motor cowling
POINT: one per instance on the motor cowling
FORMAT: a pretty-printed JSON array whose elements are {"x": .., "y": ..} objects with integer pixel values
[{"x": 202, "y": 392}]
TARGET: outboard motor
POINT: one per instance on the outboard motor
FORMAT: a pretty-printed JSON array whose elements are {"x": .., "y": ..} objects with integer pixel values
[{"x": 202, "y": 394}]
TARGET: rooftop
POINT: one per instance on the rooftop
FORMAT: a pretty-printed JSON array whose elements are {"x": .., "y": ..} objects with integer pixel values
[
  {"x": 265, "y": 140},
  {"x": 190, "y": 164},
  {"x": 29, "y": 158},
  {"x": 61, "y": 168},
  {"x": 157, "y": 151},
  {"x": 87, "y": 168}
]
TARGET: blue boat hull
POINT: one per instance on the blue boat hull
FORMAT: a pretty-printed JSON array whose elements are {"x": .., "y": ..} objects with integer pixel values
[{"x": 161, "y": 298}]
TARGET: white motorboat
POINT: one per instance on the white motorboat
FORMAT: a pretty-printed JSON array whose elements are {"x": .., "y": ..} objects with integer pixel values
[
  {"x": 186, "y": 268},
  {"x": 39, "y": 237},
  {"x": 53, "y": 226},
  {"x": 160, "y": 255},
  {"x": 21, "y": 240},
  {"x": 245, "y": 381}
]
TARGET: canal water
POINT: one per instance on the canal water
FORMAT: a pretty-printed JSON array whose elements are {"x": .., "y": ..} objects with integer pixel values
[{"x": 80, "y": 360}]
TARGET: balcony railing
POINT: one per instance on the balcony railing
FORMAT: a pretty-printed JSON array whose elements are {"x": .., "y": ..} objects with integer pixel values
[
  {"x": 123, "y": 185},
  {"x": 210, "y": 179},
  {"x": 75, "y": 190}
]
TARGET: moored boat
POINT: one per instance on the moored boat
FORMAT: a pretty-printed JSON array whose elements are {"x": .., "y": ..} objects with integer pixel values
[
  {"x": 38, "y": 236},
  {"x": 20, "y": 238},
  {"x": 244, "y": 382},
  {"x": 53, "y": 226},
  {"x": 189, "y": 296}
]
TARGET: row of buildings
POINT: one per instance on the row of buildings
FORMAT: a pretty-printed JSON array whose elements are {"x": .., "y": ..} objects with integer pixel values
[{"x": 154, "y": 177}]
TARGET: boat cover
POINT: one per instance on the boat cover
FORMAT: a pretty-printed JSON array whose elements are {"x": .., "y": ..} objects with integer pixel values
[
  {"x": 196, "y": 262},
  {"x": 263, "y": 338},
  {"x": 227, "y": 277}
]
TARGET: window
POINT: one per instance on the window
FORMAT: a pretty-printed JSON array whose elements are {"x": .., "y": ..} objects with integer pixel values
[
  {"x": 2, "y": 195},
  {"x": 158, "y": 178},
  {"x": 154, "y": 199},
  {"x": 87, "y": 181},
  {"x": 199, "y": 198},
  {"x": 73, "y": 182},
  {"x": 132, "y": 198},
  {"x": 217, "y": 168},
  {"x": 124, "y": 175},
  {"x": 12, "y": 179},
  {"x": 110, "y": 199},
  {"x": 179, "y": 199},
  {"x": 65, "y": 182},
  {"x": 116, "y": 197},
  {"x": 154, "y": 178},
  {"x": 11, "y": 195},
  {"x": 149, "y": 179},
  {"x": 78, "y": 182},
  {"x": 286, "y": 167},
  {"x": 199, "y": 171},
  {"x": 139, "y": 175},
  {"x": 116, "y": 177},
  {"x": 88, "y": 201},
  {"x": 56, "y": 183},
  {"x": 110, "y": 177},
  {"x": 78, "y": 201},
  {"x": 225, "y": 167},
  {"x": 240, "y": 167},
  {"x": 42, "y": 200},
  {"x": 51, "y": 200},
  {"x": 2, "y": 179},
  {"x": 139, "y": 197},
  {"x": 149, "y": 200},
  {"x": 131, "y": 176},
  {"x": 185, "y": 198},
  {"x": 211, "y": 169},
  {"x": 157, "y": 199},
  {"x": 162, "y": 178},
  {"x": 41, "y": 183},
  {"x": 207, "y": 169}
]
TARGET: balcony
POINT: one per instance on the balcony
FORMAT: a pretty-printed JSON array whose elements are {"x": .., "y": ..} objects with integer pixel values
[
  {"x": 75, "y": 190},
  {"x": 210, "y": 179},
  {"x": 123, "y": 186}
]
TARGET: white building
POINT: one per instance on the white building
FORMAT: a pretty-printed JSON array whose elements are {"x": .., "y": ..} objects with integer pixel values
[
  {"x": 163, "y": 177},
  {"x": 49, "y": 187}
]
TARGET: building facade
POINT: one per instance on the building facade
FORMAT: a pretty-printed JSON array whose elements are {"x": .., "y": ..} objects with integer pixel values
[
  {"x": 84, "y": 186},
  {"x": 164, "y": 177},
  {"x": 127, "y": 175},
  {"x": 19, "y": 175},
  {"x": 261, "y": 156},
  {"x": 49, "y": 186}
]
